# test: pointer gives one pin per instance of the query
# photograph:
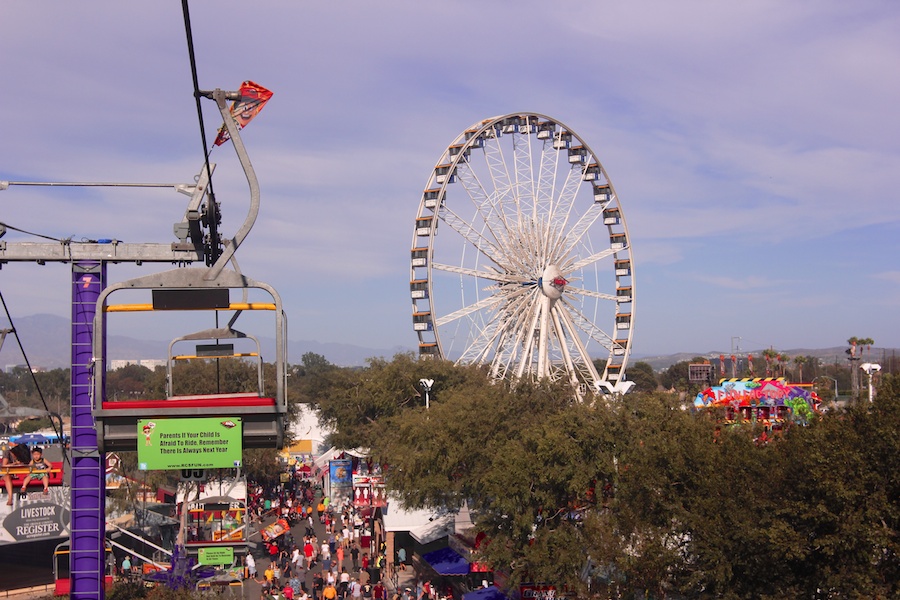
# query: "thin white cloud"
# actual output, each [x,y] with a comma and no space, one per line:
[749,130]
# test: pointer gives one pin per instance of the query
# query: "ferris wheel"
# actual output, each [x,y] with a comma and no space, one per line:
[521,259]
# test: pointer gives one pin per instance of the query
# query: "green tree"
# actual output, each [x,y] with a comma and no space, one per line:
[350,401]
[30,425]
[643,376]
[664,499]
[130,382]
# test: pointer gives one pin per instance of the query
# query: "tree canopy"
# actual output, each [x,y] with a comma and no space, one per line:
[654,496]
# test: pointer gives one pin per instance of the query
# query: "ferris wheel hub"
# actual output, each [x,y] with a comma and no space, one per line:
[553,284]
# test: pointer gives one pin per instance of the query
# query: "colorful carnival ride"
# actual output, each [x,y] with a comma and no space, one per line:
[769,401]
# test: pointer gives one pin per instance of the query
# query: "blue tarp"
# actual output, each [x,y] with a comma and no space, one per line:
[447,562]
[488,593]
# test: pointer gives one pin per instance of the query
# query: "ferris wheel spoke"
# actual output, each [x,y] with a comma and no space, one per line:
[562,209]
[526,359]
[490,275]
[500,178]
[590,293]
[524,185]
[468,310]
[483,201]
[544,195]
[487,198]
[584,262]
[511,325]
[585,325]
[467,232]
[564,342]
[584,224]
[479,349]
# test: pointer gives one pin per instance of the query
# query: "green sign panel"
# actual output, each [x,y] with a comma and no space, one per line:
[191,443]
[216,556]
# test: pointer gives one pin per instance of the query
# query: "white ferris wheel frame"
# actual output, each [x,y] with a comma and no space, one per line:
[527,235]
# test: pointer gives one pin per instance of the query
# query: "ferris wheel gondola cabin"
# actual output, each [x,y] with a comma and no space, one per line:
[261,409]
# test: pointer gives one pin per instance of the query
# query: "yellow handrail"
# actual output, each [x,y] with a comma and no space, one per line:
[149,307]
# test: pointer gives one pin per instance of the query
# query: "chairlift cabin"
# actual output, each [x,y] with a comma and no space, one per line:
[53,453]
[189,290]
[217,521]
[221,346]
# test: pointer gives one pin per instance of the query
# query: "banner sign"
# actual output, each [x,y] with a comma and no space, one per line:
[369,490]
[190,443]
[340,476]
[36,516]
[341,473]
[216,555]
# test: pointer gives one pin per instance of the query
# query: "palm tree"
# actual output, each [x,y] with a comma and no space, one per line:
[782,361]
[867,342]
[854,343]
[799,361]
[769,354]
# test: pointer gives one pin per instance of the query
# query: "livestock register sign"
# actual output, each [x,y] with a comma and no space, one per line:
[192,443]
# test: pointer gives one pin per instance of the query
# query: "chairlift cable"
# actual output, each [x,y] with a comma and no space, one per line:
[59,432]
[213,254]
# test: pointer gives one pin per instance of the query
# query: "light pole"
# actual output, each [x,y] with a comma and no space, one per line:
[733,366]
[835,384]
[870,369]
[426,387]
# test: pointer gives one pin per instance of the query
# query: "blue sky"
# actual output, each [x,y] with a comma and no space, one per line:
[754,147]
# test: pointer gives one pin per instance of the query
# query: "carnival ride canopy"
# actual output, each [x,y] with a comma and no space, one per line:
[800,401]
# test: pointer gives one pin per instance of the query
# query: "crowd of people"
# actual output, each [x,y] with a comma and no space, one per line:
[327,562]
[322,554]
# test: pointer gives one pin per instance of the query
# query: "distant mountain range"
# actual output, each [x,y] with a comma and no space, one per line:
[825,355]
[46,340]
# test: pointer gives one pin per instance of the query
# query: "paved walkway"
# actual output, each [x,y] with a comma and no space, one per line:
[252,589]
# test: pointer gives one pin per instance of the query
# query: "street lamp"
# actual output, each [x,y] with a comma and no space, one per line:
[426,387]
[835,384]
[870,369]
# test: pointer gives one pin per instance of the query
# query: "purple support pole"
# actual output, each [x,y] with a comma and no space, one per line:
[88,517]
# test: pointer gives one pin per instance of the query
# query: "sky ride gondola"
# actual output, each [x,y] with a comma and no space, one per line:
[210,288]
[263,416]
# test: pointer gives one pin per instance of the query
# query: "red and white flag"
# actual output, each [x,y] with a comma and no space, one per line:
[253,98]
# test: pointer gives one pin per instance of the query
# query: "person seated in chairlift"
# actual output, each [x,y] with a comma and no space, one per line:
[40,470]
[16,455]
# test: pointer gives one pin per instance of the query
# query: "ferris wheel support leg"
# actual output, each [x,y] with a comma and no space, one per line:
[567,356]
[529,345]
[543,358]
[582,350]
